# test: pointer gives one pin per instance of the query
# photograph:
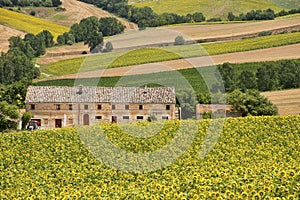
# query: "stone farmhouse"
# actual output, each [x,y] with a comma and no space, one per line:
[54,106]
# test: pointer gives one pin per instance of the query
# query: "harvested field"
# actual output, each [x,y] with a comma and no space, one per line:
[202,32]
[287,101]
[6,33]
[166,35]
[76,11]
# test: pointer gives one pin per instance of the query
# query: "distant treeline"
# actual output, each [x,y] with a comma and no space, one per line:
[35,3]
[268,76]
[144,17]
[268,14]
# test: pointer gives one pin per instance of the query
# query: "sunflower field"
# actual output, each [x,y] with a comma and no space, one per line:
[252,158]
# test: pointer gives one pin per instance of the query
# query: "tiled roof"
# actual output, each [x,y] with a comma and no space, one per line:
[64,94]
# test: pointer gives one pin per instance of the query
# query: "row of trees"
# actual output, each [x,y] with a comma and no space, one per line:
[269,76]
[36,3]
[91,31]
[144,17]
[16,65]
[268,14]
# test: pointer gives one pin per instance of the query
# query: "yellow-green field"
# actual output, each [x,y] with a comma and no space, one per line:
[210,8]
[119,59]
[29,24]
[253,158]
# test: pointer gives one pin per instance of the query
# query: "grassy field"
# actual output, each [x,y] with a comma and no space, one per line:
[118,59]
[211,8]
[170,78]
[287,101]
[253,158]
[29,24]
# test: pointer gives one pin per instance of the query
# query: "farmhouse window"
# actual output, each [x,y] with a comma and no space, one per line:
[165,117]
[98,117]
[86,107]
[139,117]
[32,107]
[126,107]
[113,107]
[167,107]
[140,107]
[58,107]
[70,107]
[126,117]
[99,107]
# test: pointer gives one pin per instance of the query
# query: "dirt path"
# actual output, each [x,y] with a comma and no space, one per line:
[77,10]
[271,54]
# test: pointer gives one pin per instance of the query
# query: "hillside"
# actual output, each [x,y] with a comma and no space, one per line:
[250,158]
[213,8]
[76,11]
[190,32]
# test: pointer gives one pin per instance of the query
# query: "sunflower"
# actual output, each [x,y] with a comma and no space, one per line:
[244,195]
[291,173]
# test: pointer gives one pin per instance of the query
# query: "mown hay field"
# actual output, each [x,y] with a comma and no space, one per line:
[287,101]
[29,24]
[253,158]
[150,55]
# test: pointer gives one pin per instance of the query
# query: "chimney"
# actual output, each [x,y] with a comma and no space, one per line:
[79,89]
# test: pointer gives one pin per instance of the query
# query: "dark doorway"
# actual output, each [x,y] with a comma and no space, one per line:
[58,123]
[114,119]
[86,120]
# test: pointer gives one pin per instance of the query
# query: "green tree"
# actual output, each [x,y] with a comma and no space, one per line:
[267,77]
[198,17]
[108,47]
[8,116]
[187,100]
[26,117]
[94,39]
[47,38]
[251,103]
[179,40]
[229,76]
[110,26]
[247,80]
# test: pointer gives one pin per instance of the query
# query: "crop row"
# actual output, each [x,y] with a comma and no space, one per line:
[253,157]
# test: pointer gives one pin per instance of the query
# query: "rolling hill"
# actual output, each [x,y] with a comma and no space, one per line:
[213,8]
[29,24]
